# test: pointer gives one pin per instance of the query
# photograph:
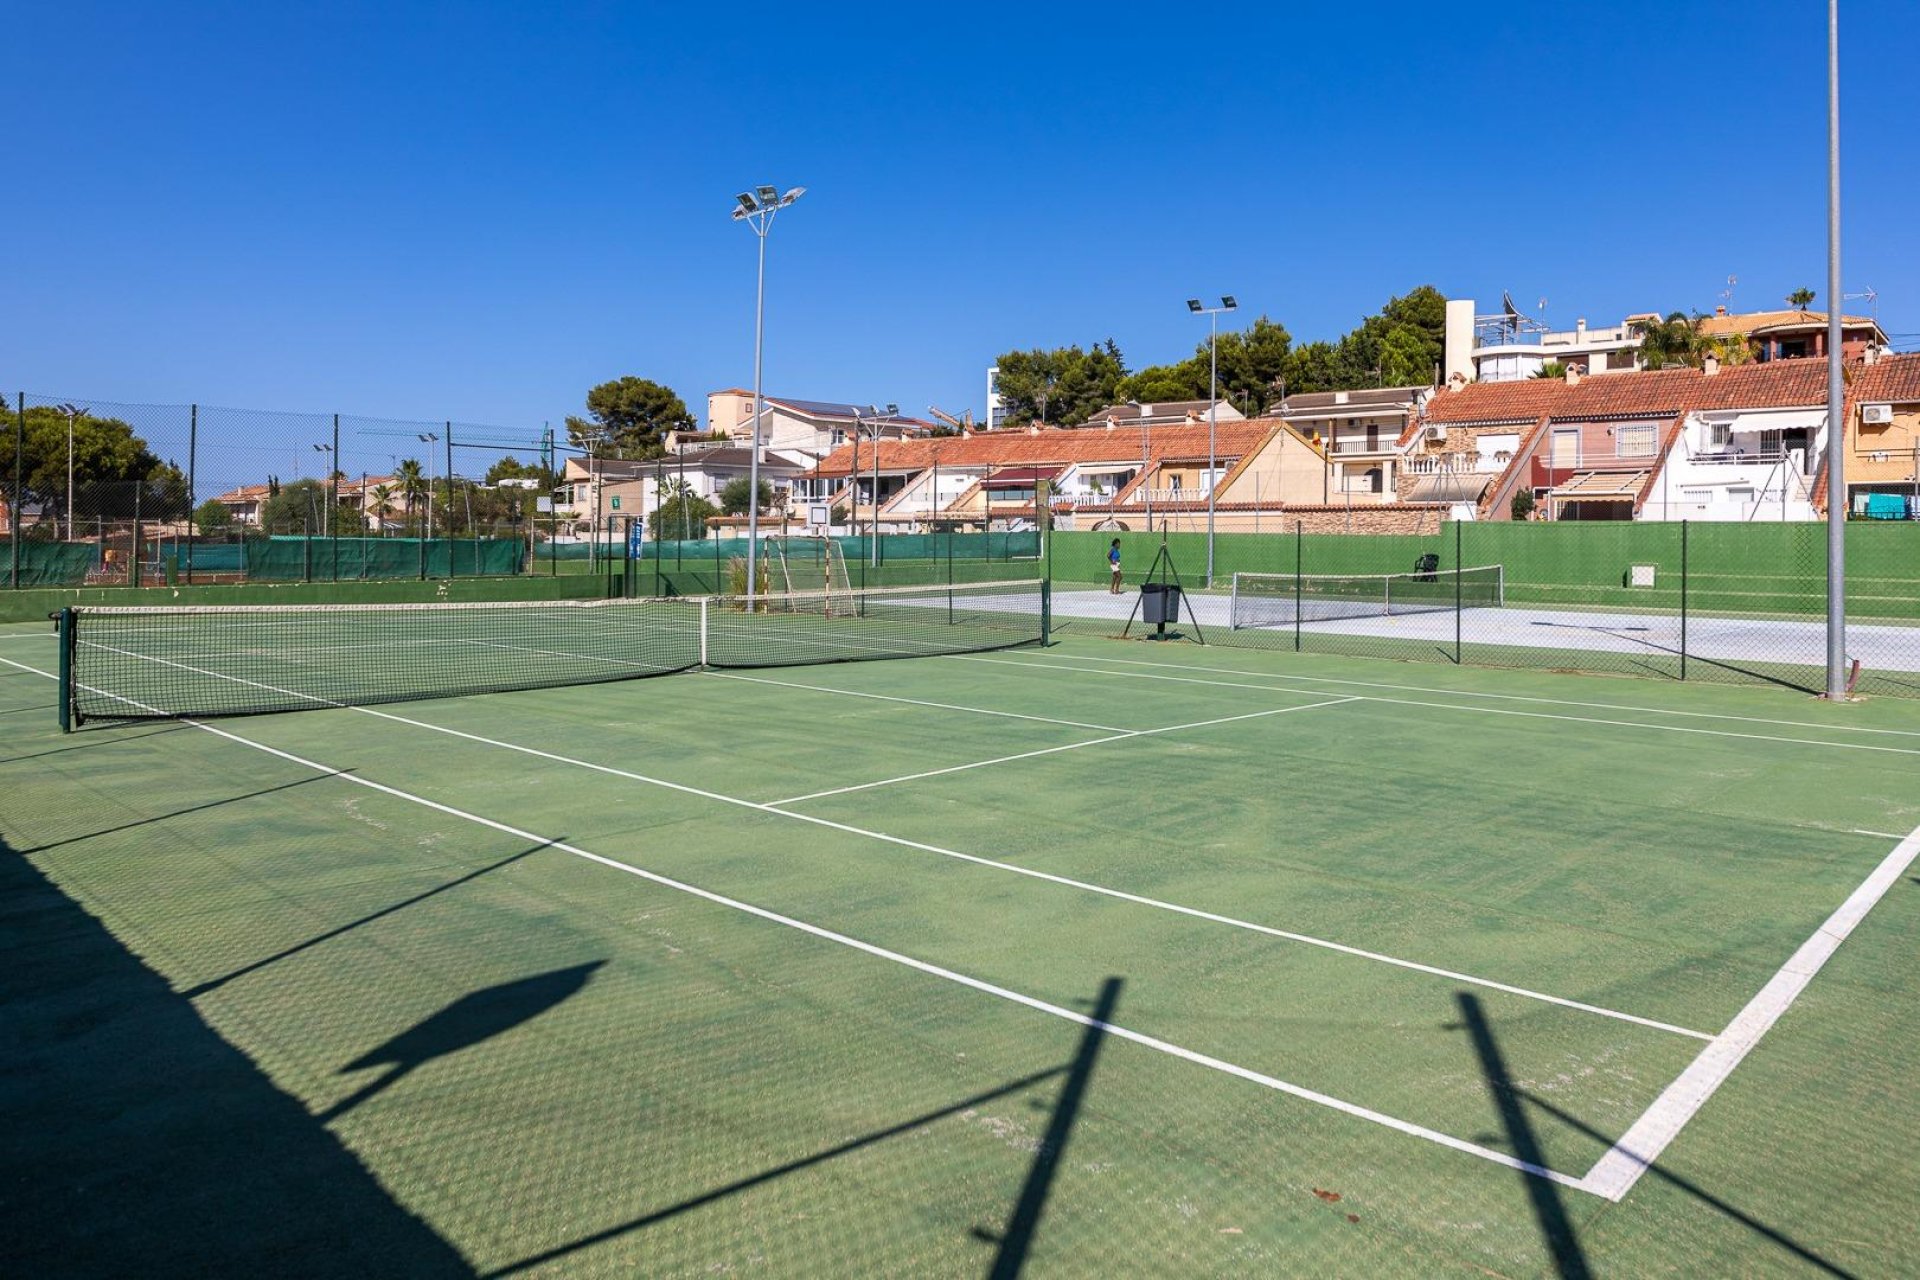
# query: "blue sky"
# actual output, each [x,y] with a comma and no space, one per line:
[477,211]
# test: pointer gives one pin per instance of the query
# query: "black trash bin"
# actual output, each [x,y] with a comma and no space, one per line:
[1159,603]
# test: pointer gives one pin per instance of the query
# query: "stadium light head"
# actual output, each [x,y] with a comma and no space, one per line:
[1193,305]
[893,411]
[792,194]
[1230,302]
[768,195]
[427,436]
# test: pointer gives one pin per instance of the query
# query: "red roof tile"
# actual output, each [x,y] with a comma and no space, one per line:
[1056,447]
[1653,393]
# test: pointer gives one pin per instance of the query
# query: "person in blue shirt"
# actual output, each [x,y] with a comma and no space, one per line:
[1113,562]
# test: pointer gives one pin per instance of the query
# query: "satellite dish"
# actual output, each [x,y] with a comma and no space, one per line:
[1513,312]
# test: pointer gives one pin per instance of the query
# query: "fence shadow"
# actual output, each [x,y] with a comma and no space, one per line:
[1556,1228]
[142,1143]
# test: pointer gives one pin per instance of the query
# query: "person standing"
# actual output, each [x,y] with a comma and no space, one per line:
[1113,563]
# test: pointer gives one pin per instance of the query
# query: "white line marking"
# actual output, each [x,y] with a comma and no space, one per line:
[1504,697]
[1055,664]
[1884,835]
[1048,751]
[1014,868]
[1053,1010]
[1614,1174]
[916,702]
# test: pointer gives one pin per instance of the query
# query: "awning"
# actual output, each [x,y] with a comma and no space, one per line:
[1449,487]
[1603,486]
[1019,477]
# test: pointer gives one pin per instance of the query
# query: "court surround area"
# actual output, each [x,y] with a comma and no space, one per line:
[1089,959]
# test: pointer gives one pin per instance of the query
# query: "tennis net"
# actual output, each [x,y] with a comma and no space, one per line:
[1285,599]
[155,663]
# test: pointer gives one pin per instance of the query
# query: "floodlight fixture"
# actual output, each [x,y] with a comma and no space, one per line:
[1229,302]
[1193,305]
[768,195]
[793,193]
[756,210]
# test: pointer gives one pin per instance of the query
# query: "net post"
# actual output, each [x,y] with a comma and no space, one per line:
[1683,598]
[1046,612]
[66,669]
[1459,567]
[447,471]
[705,601]
[1299,582]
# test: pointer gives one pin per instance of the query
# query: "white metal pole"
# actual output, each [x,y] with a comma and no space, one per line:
[1837,503]
[1213,394]
[759,413]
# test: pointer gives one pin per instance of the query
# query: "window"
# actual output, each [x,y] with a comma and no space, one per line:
[1622,359]
[1719,436]
[1566,447]
[1635,441]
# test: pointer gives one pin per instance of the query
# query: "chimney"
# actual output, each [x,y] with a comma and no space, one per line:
[1719,311]
[1573,375]
[1580,326]
[1339,397]
[1456,380]
[1872,356]
[1146,411]
[1711,365]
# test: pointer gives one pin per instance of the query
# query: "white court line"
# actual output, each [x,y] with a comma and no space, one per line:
[1057,664]
[1053,1010]
[1614,1174]
[1014,868]
[1504,697]
[1884,835]
[1048,751]
[915,702]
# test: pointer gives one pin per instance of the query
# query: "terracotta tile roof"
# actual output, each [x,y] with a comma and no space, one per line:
[1754,322]
[1652,393]
[1893,379]
[1056,447]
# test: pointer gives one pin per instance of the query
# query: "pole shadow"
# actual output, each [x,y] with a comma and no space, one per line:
[214,984]
[1699,1193]
[102,741]
[180,813]
[1016,1241]
[1556,1229]
[472,1019]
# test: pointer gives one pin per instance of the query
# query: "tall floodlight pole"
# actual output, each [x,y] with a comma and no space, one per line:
[429,437]
[1837,503]
[74,413]
[1212,314]
[756,210]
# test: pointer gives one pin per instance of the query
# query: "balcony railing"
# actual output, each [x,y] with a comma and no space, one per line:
[1458,464]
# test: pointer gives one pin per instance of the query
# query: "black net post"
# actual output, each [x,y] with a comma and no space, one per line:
[420,538]
[66,669]
[1683,599]
[133,551]
[193,496]
[306,549]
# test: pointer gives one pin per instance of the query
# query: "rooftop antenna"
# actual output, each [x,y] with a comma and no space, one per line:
[1726,294]
[1873,302]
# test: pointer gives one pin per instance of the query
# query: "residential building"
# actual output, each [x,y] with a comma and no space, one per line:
[1361,433]
[1138,416]
[1793,335]
[1882,465]
[810,429]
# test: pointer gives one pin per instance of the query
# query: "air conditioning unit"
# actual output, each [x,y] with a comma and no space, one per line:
[1876,413]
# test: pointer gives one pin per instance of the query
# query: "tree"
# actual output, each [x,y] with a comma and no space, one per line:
[628,418]
[1252,364]
[212,517]
[1672,343]
[412,483]
[1521,508]
[682,513]
[511,468]
[1801,298]
[109,464]
[1312,366]
[733,496]
[299,507]
[380,503]
[1060,387]
[1551,369]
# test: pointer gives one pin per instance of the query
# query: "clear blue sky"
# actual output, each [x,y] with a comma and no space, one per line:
[477,211]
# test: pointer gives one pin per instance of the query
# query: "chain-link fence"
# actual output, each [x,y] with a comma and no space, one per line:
[1682,601]
[106,493]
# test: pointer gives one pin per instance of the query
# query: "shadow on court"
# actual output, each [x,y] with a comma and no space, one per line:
[1017,1238]
[473,1018]
[180,813]
[1705,1197]
[104,740]
[1556,1229]
[214,984]
[136,1141]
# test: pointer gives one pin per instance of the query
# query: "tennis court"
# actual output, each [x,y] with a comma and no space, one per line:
[1088,959]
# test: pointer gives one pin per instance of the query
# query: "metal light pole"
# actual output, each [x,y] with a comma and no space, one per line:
[756,210]
[871,421]
[1837,503]
[73,412]
[429,437]
[1227,303]
[333,487]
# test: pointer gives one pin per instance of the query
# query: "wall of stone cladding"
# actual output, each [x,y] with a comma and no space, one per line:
[1395,517]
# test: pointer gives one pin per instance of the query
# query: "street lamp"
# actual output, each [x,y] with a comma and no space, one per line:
[756,210]
[872,419]
[1227,303]
[429,437]
[333,486]
[74,413]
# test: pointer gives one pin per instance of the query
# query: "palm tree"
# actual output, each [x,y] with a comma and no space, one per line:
[1671,343]
[413,484]
[1551,369]
[382,496]
[1801,298]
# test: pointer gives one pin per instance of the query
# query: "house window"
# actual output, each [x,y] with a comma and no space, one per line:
[1636,441]
[1719,436]
[1566,447]
[1622,359]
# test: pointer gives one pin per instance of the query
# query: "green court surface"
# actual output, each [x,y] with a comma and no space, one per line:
[1104,959]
